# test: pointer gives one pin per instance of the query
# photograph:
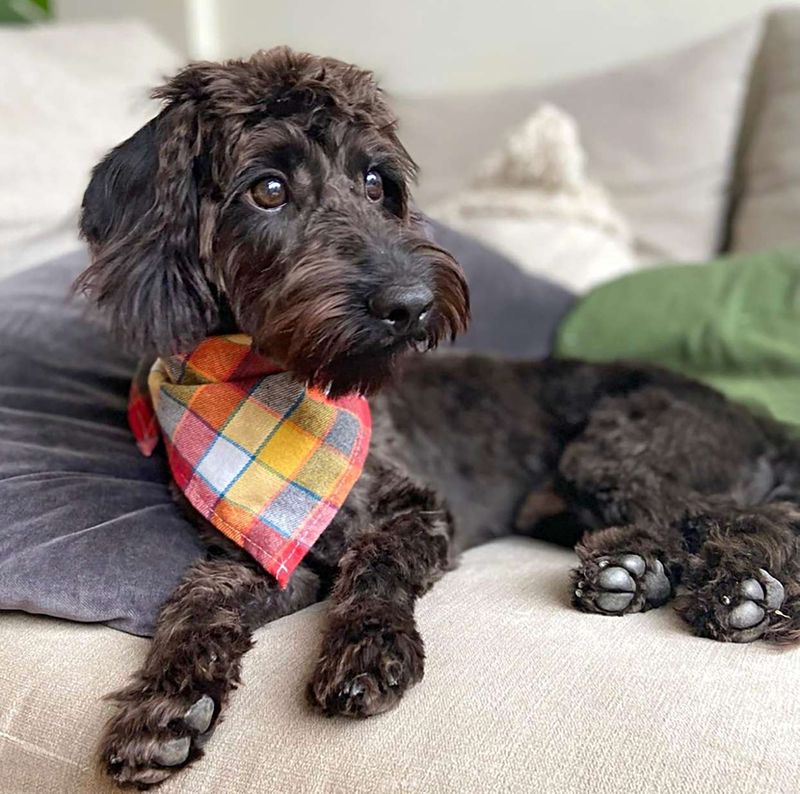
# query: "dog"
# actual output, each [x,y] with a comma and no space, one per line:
[271,197]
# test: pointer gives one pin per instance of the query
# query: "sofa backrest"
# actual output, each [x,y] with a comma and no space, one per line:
[660,134]
[765,206]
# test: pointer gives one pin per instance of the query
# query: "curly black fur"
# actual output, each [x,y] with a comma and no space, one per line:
[673,483]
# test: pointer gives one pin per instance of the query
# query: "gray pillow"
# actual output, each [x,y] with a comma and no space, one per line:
[88,530]
[513,313]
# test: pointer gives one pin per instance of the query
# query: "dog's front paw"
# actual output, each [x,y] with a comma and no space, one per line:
[153,735]
[736,610]
[366,666]
[621,584]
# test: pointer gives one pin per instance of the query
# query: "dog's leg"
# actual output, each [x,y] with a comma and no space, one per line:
[643,462]
[372,651]
[627,569]
[745,582]
[633,562]
[167,713]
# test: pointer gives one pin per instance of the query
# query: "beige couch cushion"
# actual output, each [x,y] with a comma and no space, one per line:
[521,694]
[659,134]
[768,210]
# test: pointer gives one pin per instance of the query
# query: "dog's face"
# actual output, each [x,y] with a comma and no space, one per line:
[271,196]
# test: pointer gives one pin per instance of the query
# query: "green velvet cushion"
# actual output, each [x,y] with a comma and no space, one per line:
[733,323]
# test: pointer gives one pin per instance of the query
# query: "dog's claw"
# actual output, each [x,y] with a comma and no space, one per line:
[775,592]
[199,716]
[656,584]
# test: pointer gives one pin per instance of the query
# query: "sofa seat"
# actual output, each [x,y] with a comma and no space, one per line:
[521,693]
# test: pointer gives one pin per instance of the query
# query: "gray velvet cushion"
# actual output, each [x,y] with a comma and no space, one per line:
[513,313]
[88,530]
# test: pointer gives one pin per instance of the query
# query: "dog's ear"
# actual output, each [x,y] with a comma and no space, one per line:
[140,218]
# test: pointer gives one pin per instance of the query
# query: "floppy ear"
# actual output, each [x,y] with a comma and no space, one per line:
[140,217]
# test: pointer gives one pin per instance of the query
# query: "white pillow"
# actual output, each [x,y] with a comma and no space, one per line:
[69,94]
[532,200]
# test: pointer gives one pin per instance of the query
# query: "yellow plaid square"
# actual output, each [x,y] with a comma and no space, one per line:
[322,471]
[251,425]
[255,487]
[288,449]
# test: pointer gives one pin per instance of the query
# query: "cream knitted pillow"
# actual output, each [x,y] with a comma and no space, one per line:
[533,201]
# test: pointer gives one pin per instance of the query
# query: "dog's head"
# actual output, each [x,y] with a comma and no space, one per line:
[271,196]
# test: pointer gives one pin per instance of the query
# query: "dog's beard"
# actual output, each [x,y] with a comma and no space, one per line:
[333,351]
[326,337]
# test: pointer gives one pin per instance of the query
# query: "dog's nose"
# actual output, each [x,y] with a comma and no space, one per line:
[402,308]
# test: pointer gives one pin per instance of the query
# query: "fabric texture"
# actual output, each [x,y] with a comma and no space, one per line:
[521,693]
[660,136]
[733,323]
[766,213]
[268,461]
[88,528]
[532,200]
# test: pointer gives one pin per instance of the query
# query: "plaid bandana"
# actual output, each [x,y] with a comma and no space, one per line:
[266,460]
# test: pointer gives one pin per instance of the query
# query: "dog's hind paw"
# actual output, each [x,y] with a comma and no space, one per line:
[151,738]
[619,584]
[736,610]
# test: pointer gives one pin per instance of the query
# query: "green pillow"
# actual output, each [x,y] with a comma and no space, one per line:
[733,323]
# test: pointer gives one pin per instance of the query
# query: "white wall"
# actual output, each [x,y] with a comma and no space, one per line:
[168,17]
[421,46]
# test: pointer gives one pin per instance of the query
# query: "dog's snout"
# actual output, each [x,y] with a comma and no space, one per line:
[403,309]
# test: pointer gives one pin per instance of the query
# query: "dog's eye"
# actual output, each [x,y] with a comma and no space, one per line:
[373,186]
[269,193]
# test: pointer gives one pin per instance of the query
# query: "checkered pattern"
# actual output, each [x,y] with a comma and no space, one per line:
[267,461]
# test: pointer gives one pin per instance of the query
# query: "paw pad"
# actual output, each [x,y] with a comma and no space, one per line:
[624,583]
[746,610]
[146,757]
[173,751]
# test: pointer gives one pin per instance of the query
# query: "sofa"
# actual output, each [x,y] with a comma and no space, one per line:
[701,151]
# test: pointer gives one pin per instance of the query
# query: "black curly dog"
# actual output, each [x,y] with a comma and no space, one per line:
[272,196]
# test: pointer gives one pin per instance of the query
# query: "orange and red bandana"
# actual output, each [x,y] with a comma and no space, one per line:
[266,460]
